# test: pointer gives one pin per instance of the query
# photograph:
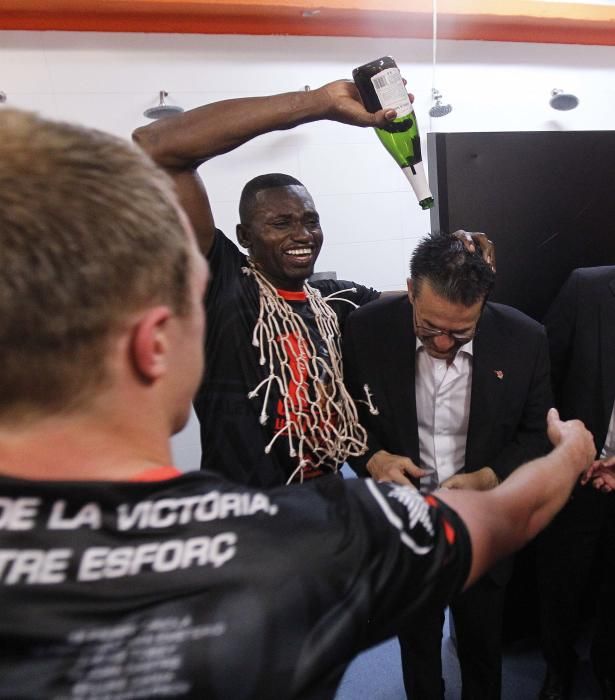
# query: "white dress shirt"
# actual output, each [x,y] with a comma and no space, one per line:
[609,444]
[442,393]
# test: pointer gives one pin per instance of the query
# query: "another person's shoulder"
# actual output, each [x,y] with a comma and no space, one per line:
[593,276]
[585,285]
[345,297]
[333,289]
[381,306]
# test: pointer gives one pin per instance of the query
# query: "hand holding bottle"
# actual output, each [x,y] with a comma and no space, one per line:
[342,103]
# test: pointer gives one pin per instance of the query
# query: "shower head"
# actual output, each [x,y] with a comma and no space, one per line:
[162,109]
[438,109]
[563,101]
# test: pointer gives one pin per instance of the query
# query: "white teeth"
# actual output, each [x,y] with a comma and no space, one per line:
[300,251]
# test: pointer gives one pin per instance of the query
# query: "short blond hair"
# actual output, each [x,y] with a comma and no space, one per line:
[89,232]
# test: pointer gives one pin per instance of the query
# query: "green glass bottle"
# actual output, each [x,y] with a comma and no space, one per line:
[381,87]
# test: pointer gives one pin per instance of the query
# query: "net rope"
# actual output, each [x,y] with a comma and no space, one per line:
[321,421]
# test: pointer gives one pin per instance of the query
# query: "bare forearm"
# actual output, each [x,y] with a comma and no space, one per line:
[185,141]
[181,143]
[535,492]
[504,519]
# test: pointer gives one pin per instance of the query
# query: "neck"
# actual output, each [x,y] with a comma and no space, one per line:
[80,448]
[288,285]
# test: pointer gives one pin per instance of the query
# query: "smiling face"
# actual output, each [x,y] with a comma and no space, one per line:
[283,235]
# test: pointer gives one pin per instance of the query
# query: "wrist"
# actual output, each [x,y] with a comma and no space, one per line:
[578,456]
[320,103]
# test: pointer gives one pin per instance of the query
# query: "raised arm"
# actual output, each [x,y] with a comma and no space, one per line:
[182,143]
[504,519]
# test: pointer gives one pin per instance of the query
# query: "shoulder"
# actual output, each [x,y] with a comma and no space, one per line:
[357,293]
[383,307]
[344,298]
[508,319]
[583,286]
[592,279]
[588,274]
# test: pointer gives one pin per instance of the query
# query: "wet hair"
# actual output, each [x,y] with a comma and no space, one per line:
[453,272]
[90,232]
[258,184]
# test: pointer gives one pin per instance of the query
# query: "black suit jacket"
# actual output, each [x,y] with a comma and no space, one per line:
[581,329]
[507,422]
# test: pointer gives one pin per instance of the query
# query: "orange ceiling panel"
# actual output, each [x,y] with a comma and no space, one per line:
[504,20]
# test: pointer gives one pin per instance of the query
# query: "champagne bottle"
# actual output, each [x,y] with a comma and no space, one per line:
[381,87]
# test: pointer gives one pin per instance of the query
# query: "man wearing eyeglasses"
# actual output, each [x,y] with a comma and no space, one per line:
[458,393]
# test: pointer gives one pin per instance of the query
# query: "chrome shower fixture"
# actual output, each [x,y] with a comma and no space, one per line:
[438,109]
[563,101]
[162,109]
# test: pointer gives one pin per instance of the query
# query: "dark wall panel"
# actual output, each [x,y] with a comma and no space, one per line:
[547,200]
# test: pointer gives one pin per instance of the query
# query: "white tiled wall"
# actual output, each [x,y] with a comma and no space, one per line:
[370,217]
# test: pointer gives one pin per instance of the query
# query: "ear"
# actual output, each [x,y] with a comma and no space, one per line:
[410,289]
[243,236]
[149,343]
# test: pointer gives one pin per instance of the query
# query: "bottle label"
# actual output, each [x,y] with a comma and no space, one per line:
[391,91]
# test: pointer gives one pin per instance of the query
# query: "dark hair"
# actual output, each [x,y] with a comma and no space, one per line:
[453,272]
[256,185]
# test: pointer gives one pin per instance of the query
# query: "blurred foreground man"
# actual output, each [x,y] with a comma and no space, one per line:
[121,578]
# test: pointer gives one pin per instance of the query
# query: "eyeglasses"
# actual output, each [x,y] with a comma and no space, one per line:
[425,333]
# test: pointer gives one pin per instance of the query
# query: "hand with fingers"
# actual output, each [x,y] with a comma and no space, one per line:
[480,480]
[601,474]
[384,466]
[344,105]
[472,239]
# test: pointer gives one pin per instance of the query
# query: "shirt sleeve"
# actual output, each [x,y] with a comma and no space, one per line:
[424,555]
[384,551]
[225,262]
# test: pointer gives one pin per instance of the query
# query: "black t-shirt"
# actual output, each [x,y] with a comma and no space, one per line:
[198,588]
[233,440]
